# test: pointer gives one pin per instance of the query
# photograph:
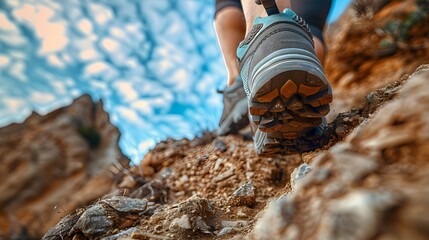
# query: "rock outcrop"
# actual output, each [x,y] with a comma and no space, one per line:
[374,185]
[53,164]
[371,45]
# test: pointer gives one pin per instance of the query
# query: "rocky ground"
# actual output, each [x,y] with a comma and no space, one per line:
[369,182]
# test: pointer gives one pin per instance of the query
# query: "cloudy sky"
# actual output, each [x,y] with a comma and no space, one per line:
[155,63]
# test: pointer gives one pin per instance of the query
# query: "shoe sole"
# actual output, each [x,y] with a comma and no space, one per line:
[272,144]
[289,99]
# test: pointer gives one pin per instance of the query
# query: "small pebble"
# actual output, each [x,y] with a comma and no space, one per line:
[220,145]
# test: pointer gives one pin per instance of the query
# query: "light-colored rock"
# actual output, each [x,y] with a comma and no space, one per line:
[95,221]
[120,235]
[126,204]
[352,165]
[277,216]
[357,215]
[225,231]
[224,175]
[236,224]
[298,174]
[201,224]
[182,222]
[243,196]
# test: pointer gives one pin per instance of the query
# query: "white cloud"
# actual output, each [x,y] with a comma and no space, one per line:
[163,102]
[96,67]
[146,145]
[85,42]
[174,125]
[100,85]
[128,114]
[85,26]
[88,55]
[101,13]
[133,64]
[207,84]
[13,39]
[143,107]
[126,90]
[42,98]
[117,32]
[133,27]
[181,79]
[165,65]
[55,61]
[60,87]
[14,104]
[13,3]
[67,58]
[188,98]
[4,61]
[110,45]
[75,93]
[214,100]
[52,35]
[17,71]
[6,24]
[18,54]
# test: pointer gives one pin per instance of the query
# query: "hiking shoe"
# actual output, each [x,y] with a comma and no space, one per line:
[288,93]
[235,115]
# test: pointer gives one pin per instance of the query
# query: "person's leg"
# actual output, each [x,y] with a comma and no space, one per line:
[230,28]
[305,9]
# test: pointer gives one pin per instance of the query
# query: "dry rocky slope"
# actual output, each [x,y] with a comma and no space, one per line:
[370,182]
[373,184]
[53,164]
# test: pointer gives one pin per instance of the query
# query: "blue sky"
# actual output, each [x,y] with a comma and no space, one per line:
[337,8]
[155,64]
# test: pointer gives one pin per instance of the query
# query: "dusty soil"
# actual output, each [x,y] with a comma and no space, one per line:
[216,187]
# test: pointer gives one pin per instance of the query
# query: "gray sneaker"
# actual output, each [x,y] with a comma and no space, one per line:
[235,110]
[288,93]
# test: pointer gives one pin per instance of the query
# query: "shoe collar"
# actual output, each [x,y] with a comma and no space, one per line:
[261,23]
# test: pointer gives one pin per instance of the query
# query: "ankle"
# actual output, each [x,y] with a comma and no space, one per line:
[253,11]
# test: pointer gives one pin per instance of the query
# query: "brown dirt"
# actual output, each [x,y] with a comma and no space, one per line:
[201,168]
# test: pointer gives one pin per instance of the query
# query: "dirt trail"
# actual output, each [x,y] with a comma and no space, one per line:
[217,188]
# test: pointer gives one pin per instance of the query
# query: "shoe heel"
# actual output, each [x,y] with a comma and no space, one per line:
[290,93]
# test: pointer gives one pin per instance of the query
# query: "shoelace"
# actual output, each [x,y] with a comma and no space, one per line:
[269,5]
